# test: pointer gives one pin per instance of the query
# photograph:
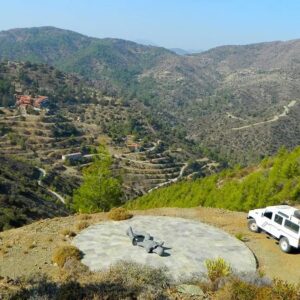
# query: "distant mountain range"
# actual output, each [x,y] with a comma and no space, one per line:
[180,51]
[238,102]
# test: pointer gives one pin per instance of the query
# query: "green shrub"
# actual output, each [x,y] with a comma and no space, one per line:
[217,269]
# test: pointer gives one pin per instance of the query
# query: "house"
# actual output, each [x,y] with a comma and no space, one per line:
[27,100]
[72,157]
[23,100]
[40,102]
[134,147]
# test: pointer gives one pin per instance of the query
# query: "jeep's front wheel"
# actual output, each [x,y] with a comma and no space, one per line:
[285,245]
[253,226]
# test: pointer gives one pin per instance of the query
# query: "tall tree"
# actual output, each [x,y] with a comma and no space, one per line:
[100,190]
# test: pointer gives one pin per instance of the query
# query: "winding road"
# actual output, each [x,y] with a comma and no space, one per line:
[171,180]
[43,174]
[274,119]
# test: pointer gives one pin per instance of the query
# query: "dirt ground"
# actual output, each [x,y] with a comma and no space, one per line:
[28,250]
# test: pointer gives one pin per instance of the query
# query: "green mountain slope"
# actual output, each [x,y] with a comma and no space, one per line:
[239,102]
[112,59]
[41,44]
[275,180]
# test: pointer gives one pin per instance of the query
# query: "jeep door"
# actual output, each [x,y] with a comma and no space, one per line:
[266,222]
[277,226]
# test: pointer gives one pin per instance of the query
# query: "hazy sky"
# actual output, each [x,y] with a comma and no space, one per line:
[189,24]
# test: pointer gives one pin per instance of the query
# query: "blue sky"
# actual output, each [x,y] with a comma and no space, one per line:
[188,24]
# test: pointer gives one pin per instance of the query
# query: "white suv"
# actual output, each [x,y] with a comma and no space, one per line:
[281,222]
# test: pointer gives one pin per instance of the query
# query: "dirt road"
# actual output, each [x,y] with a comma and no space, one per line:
[286,110]
[59,197]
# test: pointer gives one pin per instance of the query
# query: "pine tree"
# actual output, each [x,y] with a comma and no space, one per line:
[100,190]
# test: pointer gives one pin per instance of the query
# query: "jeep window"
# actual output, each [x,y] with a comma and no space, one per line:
[278,219]
[292,226]
[268,215]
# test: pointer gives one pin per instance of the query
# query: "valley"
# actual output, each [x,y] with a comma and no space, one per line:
[88,124]
[163,117]
[193,94]
[134,166]
[34,139]
[76,121]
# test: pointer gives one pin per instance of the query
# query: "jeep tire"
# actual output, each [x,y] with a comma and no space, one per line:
[285,245]
[253,226]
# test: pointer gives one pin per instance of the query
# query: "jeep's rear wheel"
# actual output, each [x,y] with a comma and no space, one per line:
[253,226]
[285,245]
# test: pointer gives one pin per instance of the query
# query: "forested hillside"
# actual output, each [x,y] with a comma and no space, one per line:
[275,180]
[22,200]
[80,114]
[239,103]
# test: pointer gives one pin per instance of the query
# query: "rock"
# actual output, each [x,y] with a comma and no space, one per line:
[190,289]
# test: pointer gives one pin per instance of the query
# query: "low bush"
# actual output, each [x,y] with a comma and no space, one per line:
[63,253]
[150,281]
[285,290]
[237,288]
[217,269]
[118,214]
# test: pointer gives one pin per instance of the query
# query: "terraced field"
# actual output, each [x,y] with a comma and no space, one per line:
[42,139]
[34,138]
[146,170]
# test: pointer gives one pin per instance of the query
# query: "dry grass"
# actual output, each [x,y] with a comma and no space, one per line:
[82,225]
[123,281]
[118,214]
[31,246]
[84,217]
[235,288]
[63,253]
[67,232]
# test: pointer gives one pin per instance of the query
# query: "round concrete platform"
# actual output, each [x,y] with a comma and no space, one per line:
[190,243]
